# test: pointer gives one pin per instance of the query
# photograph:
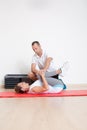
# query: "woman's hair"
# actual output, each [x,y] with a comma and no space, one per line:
[18,89]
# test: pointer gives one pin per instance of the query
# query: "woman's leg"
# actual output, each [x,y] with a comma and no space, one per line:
[53,81]
[53,73]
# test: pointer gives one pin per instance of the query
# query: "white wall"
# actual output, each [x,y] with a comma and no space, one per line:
[60,25]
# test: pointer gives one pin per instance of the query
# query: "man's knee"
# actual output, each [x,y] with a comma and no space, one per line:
[32,76]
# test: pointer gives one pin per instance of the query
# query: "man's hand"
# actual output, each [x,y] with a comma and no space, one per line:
[41,71]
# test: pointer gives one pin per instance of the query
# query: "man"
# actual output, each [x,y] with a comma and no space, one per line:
[43,61]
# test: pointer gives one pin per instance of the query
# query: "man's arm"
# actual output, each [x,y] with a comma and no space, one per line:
[33,68]
[46,66]
[47,63]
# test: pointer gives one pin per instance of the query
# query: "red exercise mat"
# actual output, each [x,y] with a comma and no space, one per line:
[64,93]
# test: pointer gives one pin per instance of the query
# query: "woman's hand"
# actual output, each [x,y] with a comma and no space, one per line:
[41,73]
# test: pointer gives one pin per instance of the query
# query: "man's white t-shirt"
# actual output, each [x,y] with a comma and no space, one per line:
[40,61]
[50,90]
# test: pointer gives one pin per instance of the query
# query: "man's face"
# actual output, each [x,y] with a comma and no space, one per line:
[36,48]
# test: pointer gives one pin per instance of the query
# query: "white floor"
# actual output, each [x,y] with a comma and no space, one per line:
[44,113]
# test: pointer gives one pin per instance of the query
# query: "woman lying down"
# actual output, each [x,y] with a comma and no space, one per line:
[45,84]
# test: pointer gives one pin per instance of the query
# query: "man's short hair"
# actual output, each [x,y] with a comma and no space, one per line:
[35,42]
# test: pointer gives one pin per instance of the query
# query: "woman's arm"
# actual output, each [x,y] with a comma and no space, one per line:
[44,87]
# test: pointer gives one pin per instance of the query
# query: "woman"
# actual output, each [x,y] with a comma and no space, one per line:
[41,85]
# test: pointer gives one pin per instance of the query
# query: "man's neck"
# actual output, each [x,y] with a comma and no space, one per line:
[40,53]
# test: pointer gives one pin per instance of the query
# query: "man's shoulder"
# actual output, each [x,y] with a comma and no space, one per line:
[45,52]
[34,55]
[48,53]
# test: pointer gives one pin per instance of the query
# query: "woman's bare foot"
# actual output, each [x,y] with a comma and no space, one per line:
[59,71]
